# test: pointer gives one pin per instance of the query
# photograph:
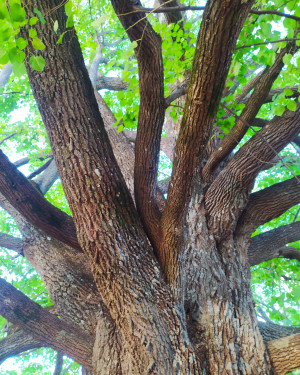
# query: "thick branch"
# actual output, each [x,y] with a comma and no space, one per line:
[17,342]
[270,244]
[33,206]
[205,90]
[110,83]
[47,178]
[44,326]
[249,113]
[284,354]
[151,114]
[228,194]
[269,203]
[10,242]
[271,331]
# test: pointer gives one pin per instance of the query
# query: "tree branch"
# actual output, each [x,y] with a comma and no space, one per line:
[268,204]
[205,90]
[271,331]
[110,83]
[18,341]
[33,206]
[44,326]
[284,353]
[229,192]
[12,243]
[151,114]
[270,244]
[268,42]
[58,363]
[47,178]
[256,100]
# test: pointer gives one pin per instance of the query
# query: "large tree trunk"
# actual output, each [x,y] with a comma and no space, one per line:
[174,289]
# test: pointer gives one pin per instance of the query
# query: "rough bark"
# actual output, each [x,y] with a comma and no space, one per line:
[270,244]
[205,89]
[268,204]
[47,328]
[17,342]
[20,193]
[285,354]
[102,207]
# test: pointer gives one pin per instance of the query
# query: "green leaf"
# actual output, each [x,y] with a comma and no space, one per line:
[291,105]
[55,26]
[42,19]
[288,92]
[279,110]
[5,32]
[37,43]
[68,8]
[21,43]
[33,21]
[287,58]
[70,22]
[3,12]
[99,21]
[32,33]
[61,38]
[17,13]
[120,128]
[37,63]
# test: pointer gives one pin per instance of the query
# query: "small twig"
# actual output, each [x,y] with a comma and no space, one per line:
[40,169]
[275,12]
[7,137]
[270,41]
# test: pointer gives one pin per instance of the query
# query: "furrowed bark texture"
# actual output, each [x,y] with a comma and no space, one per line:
[19,192]
[285,354]
[16,343]
[19,309]
[108,229]
[218,33]
[151,114]
[228,194]
[209,326]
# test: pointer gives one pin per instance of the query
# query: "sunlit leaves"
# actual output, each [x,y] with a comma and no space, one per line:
[37,63]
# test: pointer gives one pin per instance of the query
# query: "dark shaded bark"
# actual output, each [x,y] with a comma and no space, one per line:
[268,204]
[17,342]
[10,242]
[270,244]
[151,115]
[37,210]
[44,326]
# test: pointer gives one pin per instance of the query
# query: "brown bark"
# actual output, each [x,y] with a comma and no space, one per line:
[268,204]
[229,192]
[205,89]
[151,115]
[44,326]
[20,193]
[285,354]
[257,98]
[17,342]
[270,244]
[108,228]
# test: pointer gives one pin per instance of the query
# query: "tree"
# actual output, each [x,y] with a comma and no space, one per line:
[152,277]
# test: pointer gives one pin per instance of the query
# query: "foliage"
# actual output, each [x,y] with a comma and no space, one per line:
[275,283]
